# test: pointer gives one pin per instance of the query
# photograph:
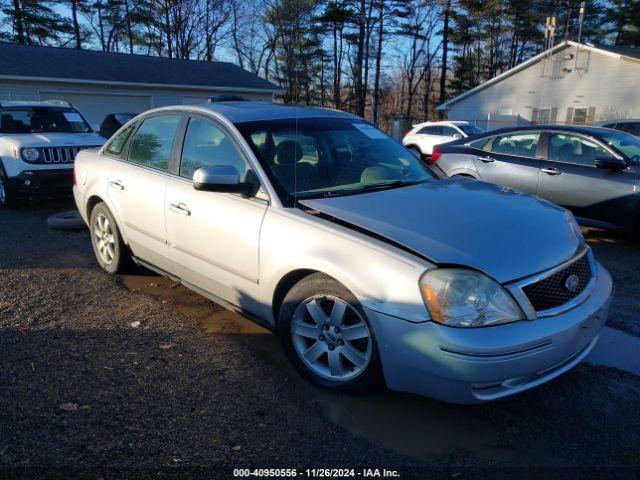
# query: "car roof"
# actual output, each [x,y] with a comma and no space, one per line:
[583,129]
[622,120]
[248,111]
[441,122]
[34,103]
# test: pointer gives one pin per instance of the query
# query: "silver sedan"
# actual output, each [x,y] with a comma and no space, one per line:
[318,225]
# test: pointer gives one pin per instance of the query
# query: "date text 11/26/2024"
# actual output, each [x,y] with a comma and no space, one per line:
[316,473]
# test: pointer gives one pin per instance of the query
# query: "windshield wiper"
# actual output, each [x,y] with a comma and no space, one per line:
[371,187]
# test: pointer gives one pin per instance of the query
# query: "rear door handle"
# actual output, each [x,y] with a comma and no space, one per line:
[551,171]
[180,209]
[486,159]
[116,184]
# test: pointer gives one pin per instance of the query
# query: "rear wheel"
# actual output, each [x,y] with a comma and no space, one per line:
[7,198]
[327,336]
[110,250]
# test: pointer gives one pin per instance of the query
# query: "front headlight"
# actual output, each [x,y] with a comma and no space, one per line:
[465,298]
[31,154]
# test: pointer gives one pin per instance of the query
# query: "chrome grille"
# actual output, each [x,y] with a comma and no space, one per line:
[552,292]
[62,154]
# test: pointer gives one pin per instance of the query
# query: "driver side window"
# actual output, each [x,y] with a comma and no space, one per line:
[569,148]
[207,145]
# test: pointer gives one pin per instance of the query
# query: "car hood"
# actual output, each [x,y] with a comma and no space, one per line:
[464,222]
[53,139]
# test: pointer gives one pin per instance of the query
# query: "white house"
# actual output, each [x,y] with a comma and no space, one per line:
[98,83]
[570,84]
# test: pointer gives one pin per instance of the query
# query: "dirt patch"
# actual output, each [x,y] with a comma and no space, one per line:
[621,257]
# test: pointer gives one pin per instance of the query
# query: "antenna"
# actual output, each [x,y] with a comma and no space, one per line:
[581,22]
[549,41]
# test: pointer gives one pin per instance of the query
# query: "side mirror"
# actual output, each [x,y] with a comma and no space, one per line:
[220,178]
[610,163]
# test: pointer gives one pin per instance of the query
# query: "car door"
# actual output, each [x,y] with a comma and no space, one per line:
[137,187]
[570,178]
[449,134]
[213,237]
[512,160]
[427,137]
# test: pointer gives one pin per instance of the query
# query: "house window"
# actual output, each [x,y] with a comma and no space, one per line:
[540,116]
[581,116]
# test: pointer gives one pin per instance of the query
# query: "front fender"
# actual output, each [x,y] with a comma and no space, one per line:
[382,277]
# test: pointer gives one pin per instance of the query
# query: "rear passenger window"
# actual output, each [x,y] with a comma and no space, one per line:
[481,144]
[207,145]
[151,144]
[517,144]
[117,144]
[431,130]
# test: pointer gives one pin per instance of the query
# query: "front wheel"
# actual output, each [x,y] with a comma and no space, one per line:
[110,250]
[7,198]
[327,336]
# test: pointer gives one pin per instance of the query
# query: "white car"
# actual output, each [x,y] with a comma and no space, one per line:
[39,141]
[424,136]
[323,228]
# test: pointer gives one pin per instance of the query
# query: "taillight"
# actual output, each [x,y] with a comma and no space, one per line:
[405,133]
[436,153]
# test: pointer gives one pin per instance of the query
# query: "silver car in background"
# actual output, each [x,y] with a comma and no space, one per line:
[318,225]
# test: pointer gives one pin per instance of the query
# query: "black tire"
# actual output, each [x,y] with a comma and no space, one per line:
[121,260]
[70,220]
[319,284]
[7,196]
[464,175]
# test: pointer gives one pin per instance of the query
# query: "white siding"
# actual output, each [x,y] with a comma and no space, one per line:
[96,101]
[595,80]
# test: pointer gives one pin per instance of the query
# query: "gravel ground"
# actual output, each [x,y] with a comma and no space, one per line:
[621,257]
[194,391]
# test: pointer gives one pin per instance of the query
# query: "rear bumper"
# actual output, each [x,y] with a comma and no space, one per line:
[472,365]
[42,182]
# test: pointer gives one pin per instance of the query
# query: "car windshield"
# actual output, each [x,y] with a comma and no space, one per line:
[469,129]
[41,120]
[316,157]
[624,143]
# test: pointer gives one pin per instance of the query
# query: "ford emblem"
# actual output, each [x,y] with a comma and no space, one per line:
[572,283]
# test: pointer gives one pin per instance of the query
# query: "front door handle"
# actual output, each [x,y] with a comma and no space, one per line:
[486,159]
[551,171]
[116,184]
[180,209]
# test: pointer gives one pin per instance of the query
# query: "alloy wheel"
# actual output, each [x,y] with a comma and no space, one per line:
[104,238]
[331,338]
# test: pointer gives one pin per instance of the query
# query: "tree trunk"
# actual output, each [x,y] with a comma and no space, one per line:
[360,59]
[376,87]
[76,26]
[337,73]
[129,28]
[17,15]
[167,28]
[445,52]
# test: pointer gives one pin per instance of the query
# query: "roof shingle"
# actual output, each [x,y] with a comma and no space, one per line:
[92,65]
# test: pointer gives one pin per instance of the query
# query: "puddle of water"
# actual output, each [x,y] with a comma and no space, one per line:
[618,349]
[410,425]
